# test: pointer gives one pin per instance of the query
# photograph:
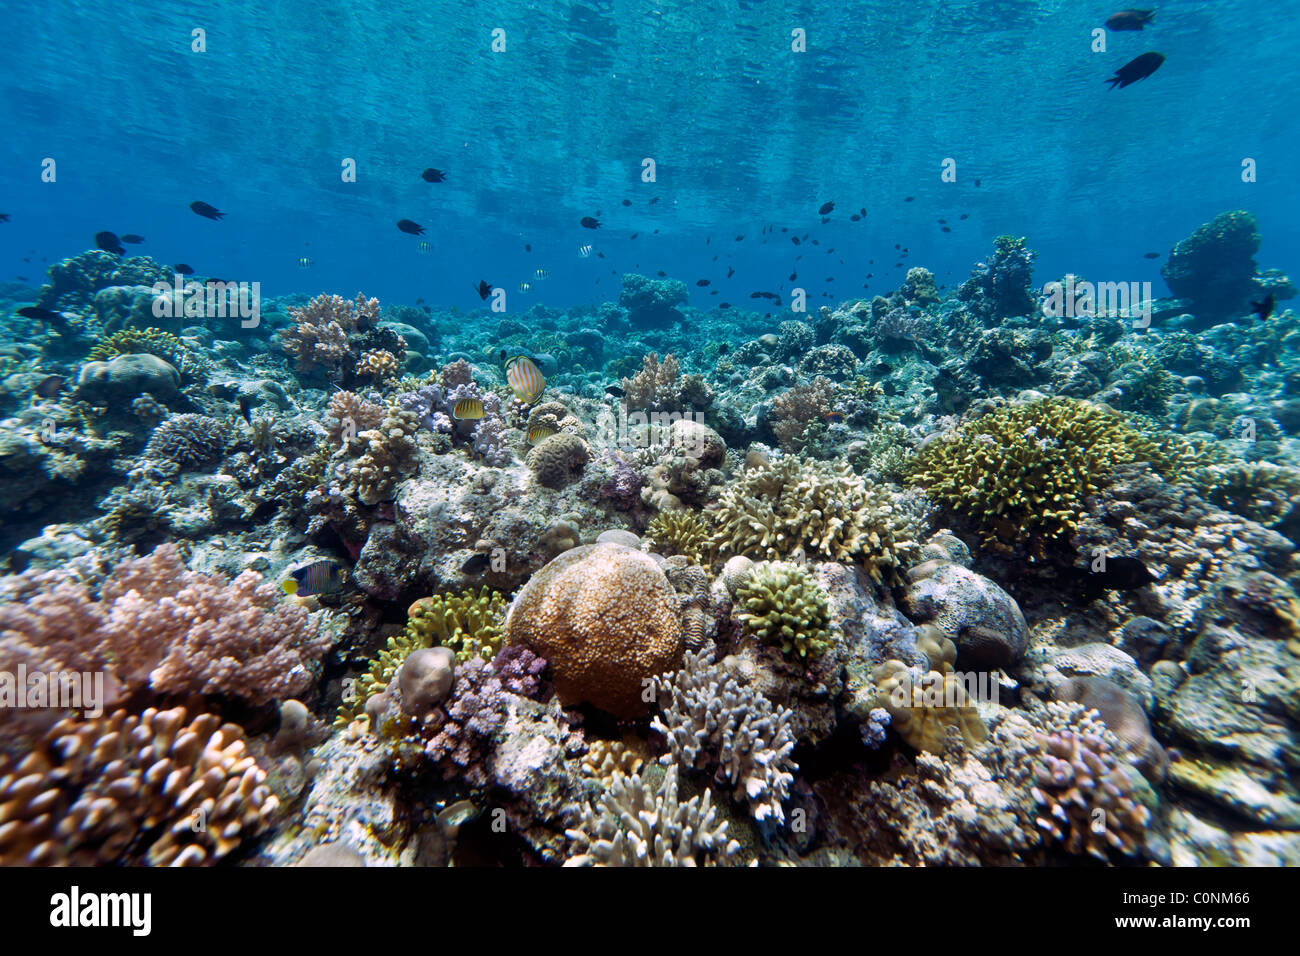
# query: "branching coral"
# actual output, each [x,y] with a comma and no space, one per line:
[1086,792]
[188,441]
[793,411]
[375,461]
[378,365]
[777,510]
[159,626]
[712,721]
[678,532]
[133,341]
[155,788]
[656,386]
[469,624]
[780,604]
[319,337]
[1022,472]
[635,825]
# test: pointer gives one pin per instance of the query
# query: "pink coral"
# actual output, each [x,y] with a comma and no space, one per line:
[160,626]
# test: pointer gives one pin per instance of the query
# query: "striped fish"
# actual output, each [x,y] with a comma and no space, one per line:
[525,378]
[538,432]
[319,577]
[468,409]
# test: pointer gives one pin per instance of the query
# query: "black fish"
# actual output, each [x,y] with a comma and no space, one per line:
[965,216]
[206,211]
[910,199]
[1118,574]
[132,238]
[1151,255]
[653,201]
[730,272]
[724,305]
[943,222]
[109,243]
[854,218]
[48,316]
[825,220]
[4,217]
[863,212]
[484,290]
[1264,309]
[661,273]
[794,276]
[615,390]
[1130,20]
[795,240]
[590,222]
[50,386]
[246,408]
[701,282]
[826,209]
[432,175]
[411,228]
[977,184]
[627,202]
[1138,69]
[947,229]
[725,347]
[184,269]
[739,238]
[634,235]
[475,563]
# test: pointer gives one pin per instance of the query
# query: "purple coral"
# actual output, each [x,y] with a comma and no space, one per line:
[623,487]
[520,670]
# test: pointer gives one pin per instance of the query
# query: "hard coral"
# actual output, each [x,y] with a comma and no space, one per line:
[124,789]
[678,532]
[556,460]
[635,825]
[1022,472]
[605,617]
[777,510]
[781,604]
[188,441]
[922,706]
[711,721]
[794,410]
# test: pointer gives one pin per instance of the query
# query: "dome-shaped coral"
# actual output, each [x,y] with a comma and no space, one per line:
[606,618]
[557,459]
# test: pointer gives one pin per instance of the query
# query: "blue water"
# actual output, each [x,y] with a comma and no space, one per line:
[745,134]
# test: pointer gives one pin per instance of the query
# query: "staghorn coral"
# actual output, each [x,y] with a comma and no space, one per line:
[1022,472]
[712,721]
[606,619]
[794,410]
[678,532]
[556,460]
[777,510]
[605,758]
[780,604]
[156,788]
[351,414]
[633,824]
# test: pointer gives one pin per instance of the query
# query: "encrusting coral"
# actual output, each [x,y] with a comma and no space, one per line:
[157,788]
[635,824]
[780,604]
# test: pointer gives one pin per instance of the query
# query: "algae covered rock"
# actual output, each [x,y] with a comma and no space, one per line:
[982,619]
[606,619]
[126,377]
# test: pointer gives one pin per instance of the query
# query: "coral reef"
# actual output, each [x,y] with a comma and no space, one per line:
[780,604]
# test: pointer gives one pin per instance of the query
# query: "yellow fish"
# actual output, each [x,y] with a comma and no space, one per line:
[538,432]
[525,378]
[468,409]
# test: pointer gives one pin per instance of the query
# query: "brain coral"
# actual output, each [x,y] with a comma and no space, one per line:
[606,618]
[557,459]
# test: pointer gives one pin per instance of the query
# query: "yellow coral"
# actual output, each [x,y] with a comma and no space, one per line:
[921,711]
[678,532]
